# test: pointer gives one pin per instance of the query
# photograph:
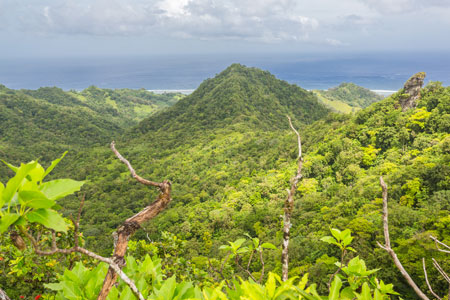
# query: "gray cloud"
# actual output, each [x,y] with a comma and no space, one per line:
[404,6]
[266,20]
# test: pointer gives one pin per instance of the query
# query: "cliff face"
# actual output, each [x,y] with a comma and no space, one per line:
[411,92]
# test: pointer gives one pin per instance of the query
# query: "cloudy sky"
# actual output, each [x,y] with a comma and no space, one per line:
[124,27]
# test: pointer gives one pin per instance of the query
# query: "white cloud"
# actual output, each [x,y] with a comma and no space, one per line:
[335,42]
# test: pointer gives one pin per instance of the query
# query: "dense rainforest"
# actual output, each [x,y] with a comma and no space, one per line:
[229,153]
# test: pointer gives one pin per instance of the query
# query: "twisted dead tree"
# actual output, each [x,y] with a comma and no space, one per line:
[398,264]
[121,236]
[35,242]
[289,207]
[129,227]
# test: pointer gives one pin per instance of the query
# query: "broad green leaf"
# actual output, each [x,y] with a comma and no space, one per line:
[53,165]
[57,189]
[7,220]
[36,174]
[303,281]
[21,221]
[271,285]
[336,233]
[347,294]
[2,187]
[14,168]
[242,250]
[35,199]
[366,292]
[238,243]
[308,296]
[377,295]
[225,247]
[71,290]
[54,286]
[335,288]
[113,294]
[268,246]
[15,182]
[329,240]
[49,218]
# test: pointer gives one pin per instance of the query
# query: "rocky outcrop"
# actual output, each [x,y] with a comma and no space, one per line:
[411,91]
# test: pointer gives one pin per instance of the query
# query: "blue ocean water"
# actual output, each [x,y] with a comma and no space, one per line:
[381,71]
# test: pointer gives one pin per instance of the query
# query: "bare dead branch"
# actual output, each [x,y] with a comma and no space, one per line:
[299,140]
[387,245]
[262,266]
[338,270]
[250,259]
[54,249]
[437,242]
[220,272]
[132,171]
[440,270]
[243,269]
[426,279]
[289,207]
[133,223]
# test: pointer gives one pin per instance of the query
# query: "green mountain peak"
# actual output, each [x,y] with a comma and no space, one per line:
[238,94]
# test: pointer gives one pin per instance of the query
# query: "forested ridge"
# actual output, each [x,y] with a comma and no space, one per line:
[348,97]
[229,152]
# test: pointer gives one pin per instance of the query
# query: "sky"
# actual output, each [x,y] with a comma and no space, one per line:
[34,28]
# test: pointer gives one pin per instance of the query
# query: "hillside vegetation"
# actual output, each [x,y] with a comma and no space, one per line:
[229,153]
[40,123]
[348,97]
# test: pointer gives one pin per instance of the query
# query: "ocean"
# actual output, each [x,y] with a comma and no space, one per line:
[376,71]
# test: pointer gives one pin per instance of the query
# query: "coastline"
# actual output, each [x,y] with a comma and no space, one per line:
[384,93]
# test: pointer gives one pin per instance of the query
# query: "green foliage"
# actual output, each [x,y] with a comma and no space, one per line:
[26,199]
[348,97]
[355,282]
[229,153]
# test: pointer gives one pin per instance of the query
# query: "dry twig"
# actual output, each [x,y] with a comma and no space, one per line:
[387,245]
[289,207]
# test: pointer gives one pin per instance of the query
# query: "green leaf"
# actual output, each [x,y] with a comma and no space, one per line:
[57,189]
[329,239]
[49,218]
[7,220]
[366,292]
[271,285]
[307,296]
[53,165]
[335,288]
[336,233]
[35,199]
[36,174]
[15,182]
[14,168]
[377,295]
[347,294]
[127,294]
[54,286]
[238,243]
[21,221]
[2,187]
[71,290]
[268,246]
